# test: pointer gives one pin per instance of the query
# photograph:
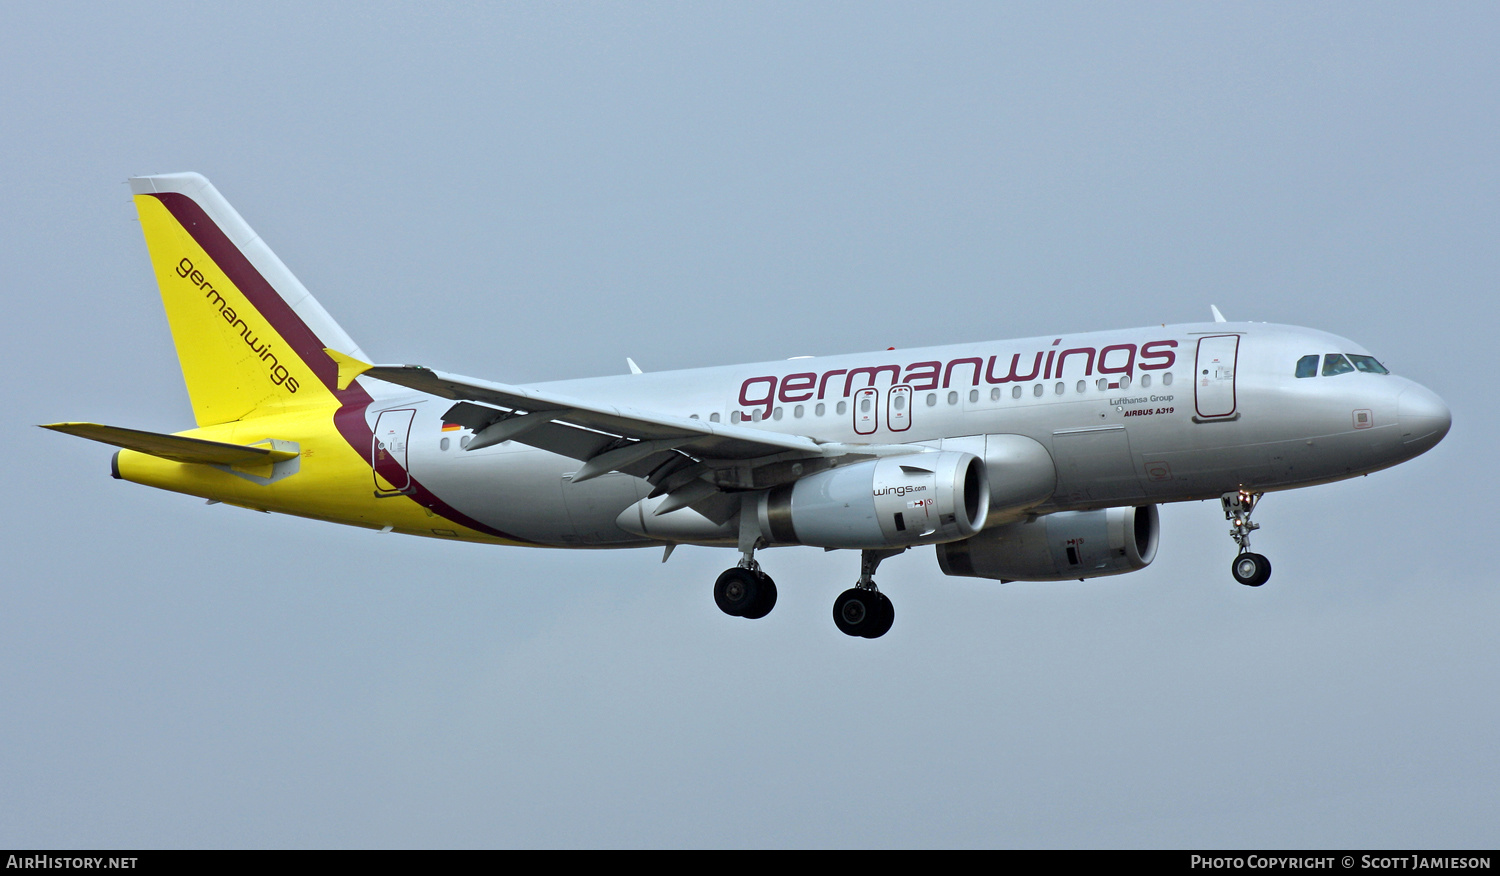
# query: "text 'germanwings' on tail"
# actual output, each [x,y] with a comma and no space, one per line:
[249,335]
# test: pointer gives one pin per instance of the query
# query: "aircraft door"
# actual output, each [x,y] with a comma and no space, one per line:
[898,409]
[866,413]
[1213,380]
[388,452]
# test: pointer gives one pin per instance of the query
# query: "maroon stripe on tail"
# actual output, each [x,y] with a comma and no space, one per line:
[349,419]
[303,341]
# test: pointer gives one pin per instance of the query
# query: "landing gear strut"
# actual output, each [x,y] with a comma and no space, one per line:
[1248,568]
[745,591]
[862,610]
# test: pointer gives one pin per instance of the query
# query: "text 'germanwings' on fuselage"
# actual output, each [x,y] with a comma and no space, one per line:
[1033,459]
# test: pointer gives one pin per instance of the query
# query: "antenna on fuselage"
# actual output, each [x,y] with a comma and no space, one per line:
[1218,317]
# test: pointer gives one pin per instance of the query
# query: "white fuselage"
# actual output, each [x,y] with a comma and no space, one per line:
[1161,414]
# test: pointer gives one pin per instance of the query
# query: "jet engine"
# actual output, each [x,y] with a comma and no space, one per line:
[919,498]
[1056,547]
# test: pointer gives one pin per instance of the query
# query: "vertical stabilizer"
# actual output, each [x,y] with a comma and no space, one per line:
[249,335]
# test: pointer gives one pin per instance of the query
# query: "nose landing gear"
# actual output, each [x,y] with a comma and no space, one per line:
[1250,569]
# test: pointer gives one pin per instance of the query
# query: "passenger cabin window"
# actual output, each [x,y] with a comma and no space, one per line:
[1307,366]
[1335,363]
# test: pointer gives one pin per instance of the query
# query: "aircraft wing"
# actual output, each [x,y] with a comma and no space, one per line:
[520,404]
[691,461]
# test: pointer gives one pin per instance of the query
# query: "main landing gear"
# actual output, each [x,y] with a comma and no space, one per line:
[862,610]
[745,591]
[1248,568]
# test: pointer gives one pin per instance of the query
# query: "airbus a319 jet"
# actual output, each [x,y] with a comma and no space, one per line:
[1039,459]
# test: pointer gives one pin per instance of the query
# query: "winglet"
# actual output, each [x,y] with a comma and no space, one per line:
[349,367]
[1218,317]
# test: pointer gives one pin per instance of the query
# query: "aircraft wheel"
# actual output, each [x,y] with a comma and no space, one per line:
[885,616]
[765,600]
[1252,570]
[863,612]
[737,592]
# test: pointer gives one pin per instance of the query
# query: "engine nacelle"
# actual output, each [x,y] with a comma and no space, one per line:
[1056,547]
[918,498]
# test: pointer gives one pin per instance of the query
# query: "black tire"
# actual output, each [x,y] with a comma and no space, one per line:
[736,591]
[885,615]
[857,611]
[765,601]
[1251,570]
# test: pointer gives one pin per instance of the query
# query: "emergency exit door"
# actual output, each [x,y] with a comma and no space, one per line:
[388,452]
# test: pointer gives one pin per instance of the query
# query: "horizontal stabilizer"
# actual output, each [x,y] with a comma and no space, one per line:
[173,447]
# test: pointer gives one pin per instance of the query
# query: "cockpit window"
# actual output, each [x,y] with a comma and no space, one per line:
[1368,364]
[1335,363]
[1307,366]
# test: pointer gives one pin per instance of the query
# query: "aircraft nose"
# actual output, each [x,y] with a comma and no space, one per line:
[1424,418]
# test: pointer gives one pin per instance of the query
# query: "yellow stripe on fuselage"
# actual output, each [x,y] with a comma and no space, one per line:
[331,482]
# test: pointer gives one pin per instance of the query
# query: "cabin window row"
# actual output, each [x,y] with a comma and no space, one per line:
[931,399]
[1038,390]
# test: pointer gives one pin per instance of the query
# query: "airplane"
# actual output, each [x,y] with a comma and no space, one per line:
[1039,459]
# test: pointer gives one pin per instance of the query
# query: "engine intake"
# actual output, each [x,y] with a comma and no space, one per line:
[1056,547]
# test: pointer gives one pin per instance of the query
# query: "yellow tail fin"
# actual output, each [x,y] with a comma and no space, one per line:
[249,336]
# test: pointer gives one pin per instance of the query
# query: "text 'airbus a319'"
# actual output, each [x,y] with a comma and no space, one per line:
[1037,459]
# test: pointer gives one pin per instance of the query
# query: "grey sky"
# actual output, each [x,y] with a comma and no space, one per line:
[526,192]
